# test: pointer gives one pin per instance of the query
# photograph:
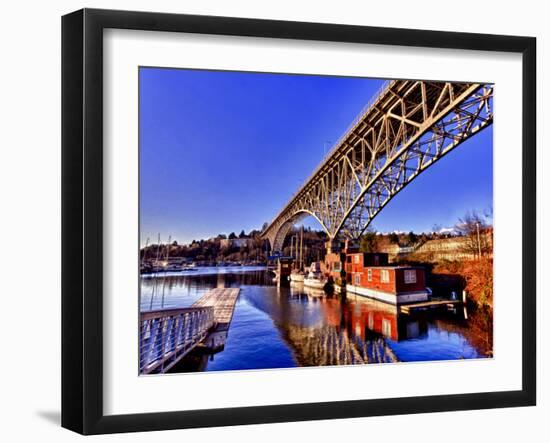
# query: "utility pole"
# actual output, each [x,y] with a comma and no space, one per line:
[478,241]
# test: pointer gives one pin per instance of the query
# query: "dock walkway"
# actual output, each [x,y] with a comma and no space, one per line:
[167,335]
[223,301]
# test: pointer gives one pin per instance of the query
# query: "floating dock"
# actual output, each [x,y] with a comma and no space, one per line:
[410,307]
[167,335]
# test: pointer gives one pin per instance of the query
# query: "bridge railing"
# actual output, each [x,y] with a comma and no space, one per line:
[165,336]
[374,98]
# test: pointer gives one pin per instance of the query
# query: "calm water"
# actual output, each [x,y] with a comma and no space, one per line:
[287,327]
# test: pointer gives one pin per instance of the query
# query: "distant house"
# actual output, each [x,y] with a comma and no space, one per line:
[235,242]
[335,259]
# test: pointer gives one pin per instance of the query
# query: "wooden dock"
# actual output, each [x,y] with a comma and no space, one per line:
[167,335]
[223,301]
[408,308]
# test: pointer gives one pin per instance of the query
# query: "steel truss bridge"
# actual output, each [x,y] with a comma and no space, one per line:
[407,128]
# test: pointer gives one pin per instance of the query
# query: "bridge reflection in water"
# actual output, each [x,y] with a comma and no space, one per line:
[287,327]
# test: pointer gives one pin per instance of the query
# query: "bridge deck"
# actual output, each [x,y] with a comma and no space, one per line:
[167,335]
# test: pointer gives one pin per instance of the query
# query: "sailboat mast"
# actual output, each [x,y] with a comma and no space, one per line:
[145,251]
[155,271]
[295,262]
[158,250]
[301,247]
[164,279]
[168,248]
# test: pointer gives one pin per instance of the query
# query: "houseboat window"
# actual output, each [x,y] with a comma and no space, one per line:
[384,276]
[357,279]
[356,258]
[369,274]
[410,276]
[336,266]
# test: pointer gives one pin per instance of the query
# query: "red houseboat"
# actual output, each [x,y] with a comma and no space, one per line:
[370,275]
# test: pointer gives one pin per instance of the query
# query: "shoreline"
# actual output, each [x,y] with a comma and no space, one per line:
[206,270]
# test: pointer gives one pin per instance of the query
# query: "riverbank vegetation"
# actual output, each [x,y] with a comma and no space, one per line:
[477,278]
[463,262]
[230,248]
[456,260]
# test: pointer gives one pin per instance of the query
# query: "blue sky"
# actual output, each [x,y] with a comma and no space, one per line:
[224,151]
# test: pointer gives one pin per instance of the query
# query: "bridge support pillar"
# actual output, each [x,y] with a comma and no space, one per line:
[284,268]
[333,246]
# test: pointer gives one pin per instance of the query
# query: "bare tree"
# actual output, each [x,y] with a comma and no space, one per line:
[475,229]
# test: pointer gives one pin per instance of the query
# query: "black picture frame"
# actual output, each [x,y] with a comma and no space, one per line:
[82,218]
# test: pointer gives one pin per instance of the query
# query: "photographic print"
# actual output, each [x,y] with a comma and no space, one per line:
[309,220]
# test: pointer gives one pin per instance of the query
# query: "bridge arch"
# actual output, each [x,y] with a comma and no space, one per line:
[277,236]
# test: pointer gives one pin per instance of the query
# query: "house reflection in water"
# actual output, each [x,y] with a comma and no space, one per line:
[352,332]
[370,316]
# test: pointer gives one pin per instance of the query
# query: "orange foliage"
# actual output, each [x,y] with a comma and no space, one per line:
[478,275]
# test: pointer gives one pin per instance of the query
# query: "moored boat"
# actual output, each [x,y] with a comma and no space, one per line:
[314,278]
[296,276]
